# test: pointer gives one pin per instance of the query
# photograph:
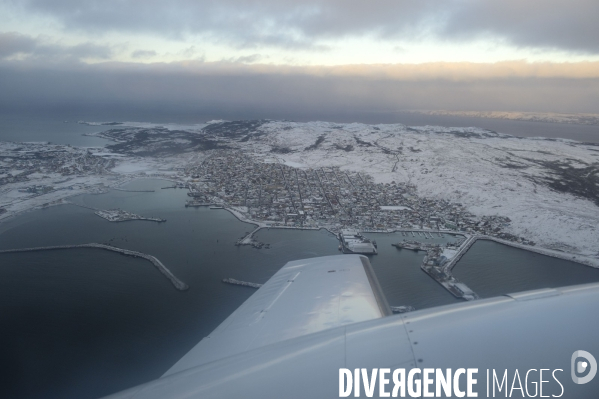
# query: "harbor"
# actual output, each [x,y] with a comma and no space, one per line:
[440,260]
[189,243]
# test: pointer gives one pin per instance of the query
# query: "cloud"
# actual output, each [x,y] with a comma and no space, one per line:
[13,44]
[143,54]
[246,59]
[562,24]
[235,91]
[557,24]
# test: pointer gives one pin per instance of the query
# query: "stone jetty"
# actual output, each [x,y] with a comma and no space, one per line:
[180,285]
[243,283]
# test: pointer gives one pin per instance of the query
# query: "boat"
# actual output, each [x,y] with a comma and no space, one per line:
[352,242]
[414,246]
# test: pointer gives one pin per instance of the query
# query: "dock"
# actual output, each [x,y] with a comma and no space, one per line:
[439,268]
[178,284]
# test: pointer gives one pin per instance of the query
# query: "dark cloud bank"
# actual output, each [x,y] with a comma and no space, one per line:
[235,91]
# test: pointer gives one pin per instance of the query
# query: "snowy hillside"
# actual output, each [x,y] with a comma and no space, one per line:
[548,188]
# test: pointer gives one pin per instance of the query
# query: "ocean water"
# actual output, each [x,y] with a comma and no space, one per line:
[491,269]
[85,323]
[50,126]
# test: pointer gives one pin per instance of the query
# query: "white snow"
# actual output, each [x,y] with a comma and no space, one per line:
[132,166]
[459,169]
[294,164]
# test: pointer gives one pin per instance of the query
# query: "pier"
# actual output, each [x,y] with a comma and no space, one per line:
[437,265]
[180,285]
[242,283]
[439,268]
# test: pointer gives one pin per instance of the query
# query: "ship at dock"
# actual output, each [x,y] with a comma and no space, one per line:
[417,245]
[352,242]
[413,245]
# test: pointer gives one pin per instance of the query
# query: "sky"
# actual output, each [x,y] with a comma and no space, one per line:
[302,56]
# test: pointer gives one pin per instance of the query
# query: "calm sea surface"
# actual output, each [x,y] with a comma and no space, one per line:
[492,269]
[50,126]
[84,323]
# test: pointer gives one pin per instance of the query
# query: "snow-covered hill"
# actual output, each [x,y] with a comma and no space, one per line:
[549,188]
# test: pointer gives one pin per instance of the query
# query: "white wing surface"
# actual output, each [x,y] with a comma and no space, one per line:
[290,339]
[303,297]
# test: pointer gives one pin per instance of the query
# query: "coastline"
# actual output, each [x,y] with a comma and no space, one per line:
[576,258]
[64,200]
[581,259]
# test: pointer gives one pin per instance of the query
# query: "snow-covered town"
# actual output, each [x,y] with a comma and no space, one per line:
[280,195]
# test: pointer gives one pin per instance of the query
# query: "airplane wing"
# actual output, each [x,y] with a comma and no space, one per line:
[316,316]
[304,297]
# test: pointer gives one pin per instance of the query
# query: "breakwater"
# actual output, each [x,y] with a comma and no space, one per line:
[249,240]
[178,284]
[242,283]
[133,191]
[468,242]
[583,260]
